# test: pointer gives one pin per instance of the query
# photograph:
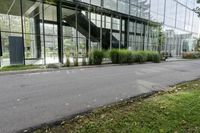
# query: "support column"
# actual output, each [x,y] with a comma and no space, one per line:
[37,35]
[101,32]
[1,50]
[43,27]
[22,24]
[126,33]
[87,39]
[144,33]
[77,35]
[111,27]
[60,31]
[135,35]
[148,36]
[120,33]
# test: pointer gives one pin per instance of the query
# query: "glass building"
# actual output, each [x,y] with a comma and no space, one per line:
[44,31]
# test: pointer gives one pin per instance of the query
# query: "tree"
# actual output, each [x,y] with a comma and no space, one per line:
[197,9]
[197,48]
[161,38]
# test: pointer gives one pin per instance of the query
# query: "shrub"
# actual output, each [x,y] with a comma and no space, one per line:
[90,62]
[191,55]
[106,53]
[123,54]
[54,66]
[68,62]
[126,56]
[140,56]
[197,55]
[84,62]
[130,57]
[150,55]
[76,61]
[153,56]
[187,55]
[156,57]
[114,55]
[98,57]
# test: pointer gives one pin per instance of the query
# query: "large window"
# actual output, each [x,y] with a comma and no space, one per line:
[188,20]
[181,10]
[110,4]
[96,2]
[170,13]
[123,6]
[144,8]
[195,26]
[157,10]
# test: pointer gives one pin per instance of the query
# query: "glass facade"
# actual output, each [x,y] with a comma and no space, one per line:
[51,30]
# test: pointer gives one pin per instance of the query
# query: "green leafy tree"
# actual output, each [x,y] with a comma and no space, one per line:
[161,38]
[197,48]
[197,9]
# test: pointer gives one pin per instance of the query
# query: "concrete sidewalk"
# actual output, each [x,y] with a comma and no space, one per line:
[31,99]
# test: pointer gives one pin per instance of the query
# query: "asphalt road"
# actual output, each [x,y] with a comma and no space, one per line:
[28,100]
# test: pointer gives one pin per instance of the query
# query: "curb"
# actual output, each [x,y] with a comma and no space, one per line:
[64,68]
[78,67]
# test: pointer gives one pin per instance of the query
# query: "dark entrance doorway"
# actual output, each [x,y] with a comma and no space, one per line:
[16,50]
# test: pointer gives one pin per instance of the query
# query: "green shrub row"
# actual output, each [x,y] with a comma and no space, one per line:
[191,55]
[126,56]
[119,57]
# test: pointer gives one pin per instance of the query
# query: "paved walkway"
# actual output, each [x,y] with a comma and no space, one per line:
[176,59]
[28,100]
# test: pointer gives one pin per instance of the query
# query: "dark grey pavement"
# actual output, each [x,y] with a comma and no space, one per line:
[32,99]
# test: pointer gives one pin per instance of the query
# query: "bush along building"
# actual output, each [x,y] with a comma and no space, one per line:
[47,31]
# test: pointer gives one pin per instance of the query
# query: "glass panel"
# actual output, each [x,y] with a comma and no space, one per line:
[34,48]
[157,10]
[123,6]
[110,4]
[70,39]
[51,38]
[180,16]
[96,2]
[10,26]
[189,19]
[170,14]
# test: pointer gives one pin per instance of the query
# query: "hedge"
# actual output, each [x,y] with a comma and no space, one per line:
[191,55]
[126,56]
[96,57]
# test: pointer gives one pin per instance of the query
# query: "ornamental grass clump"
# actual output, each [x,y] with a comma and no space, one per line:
[130,57]
[156,58]
[67,64]
[150,55]
[75,59]
[123,56]
[90,60]
[191,55]
[153,56]
[84,62]
[114,56]
[140,56]
[98,57]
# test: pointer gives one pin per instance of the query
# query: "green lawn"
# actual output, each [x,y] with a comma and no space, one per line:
[19,67]
[176,111]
